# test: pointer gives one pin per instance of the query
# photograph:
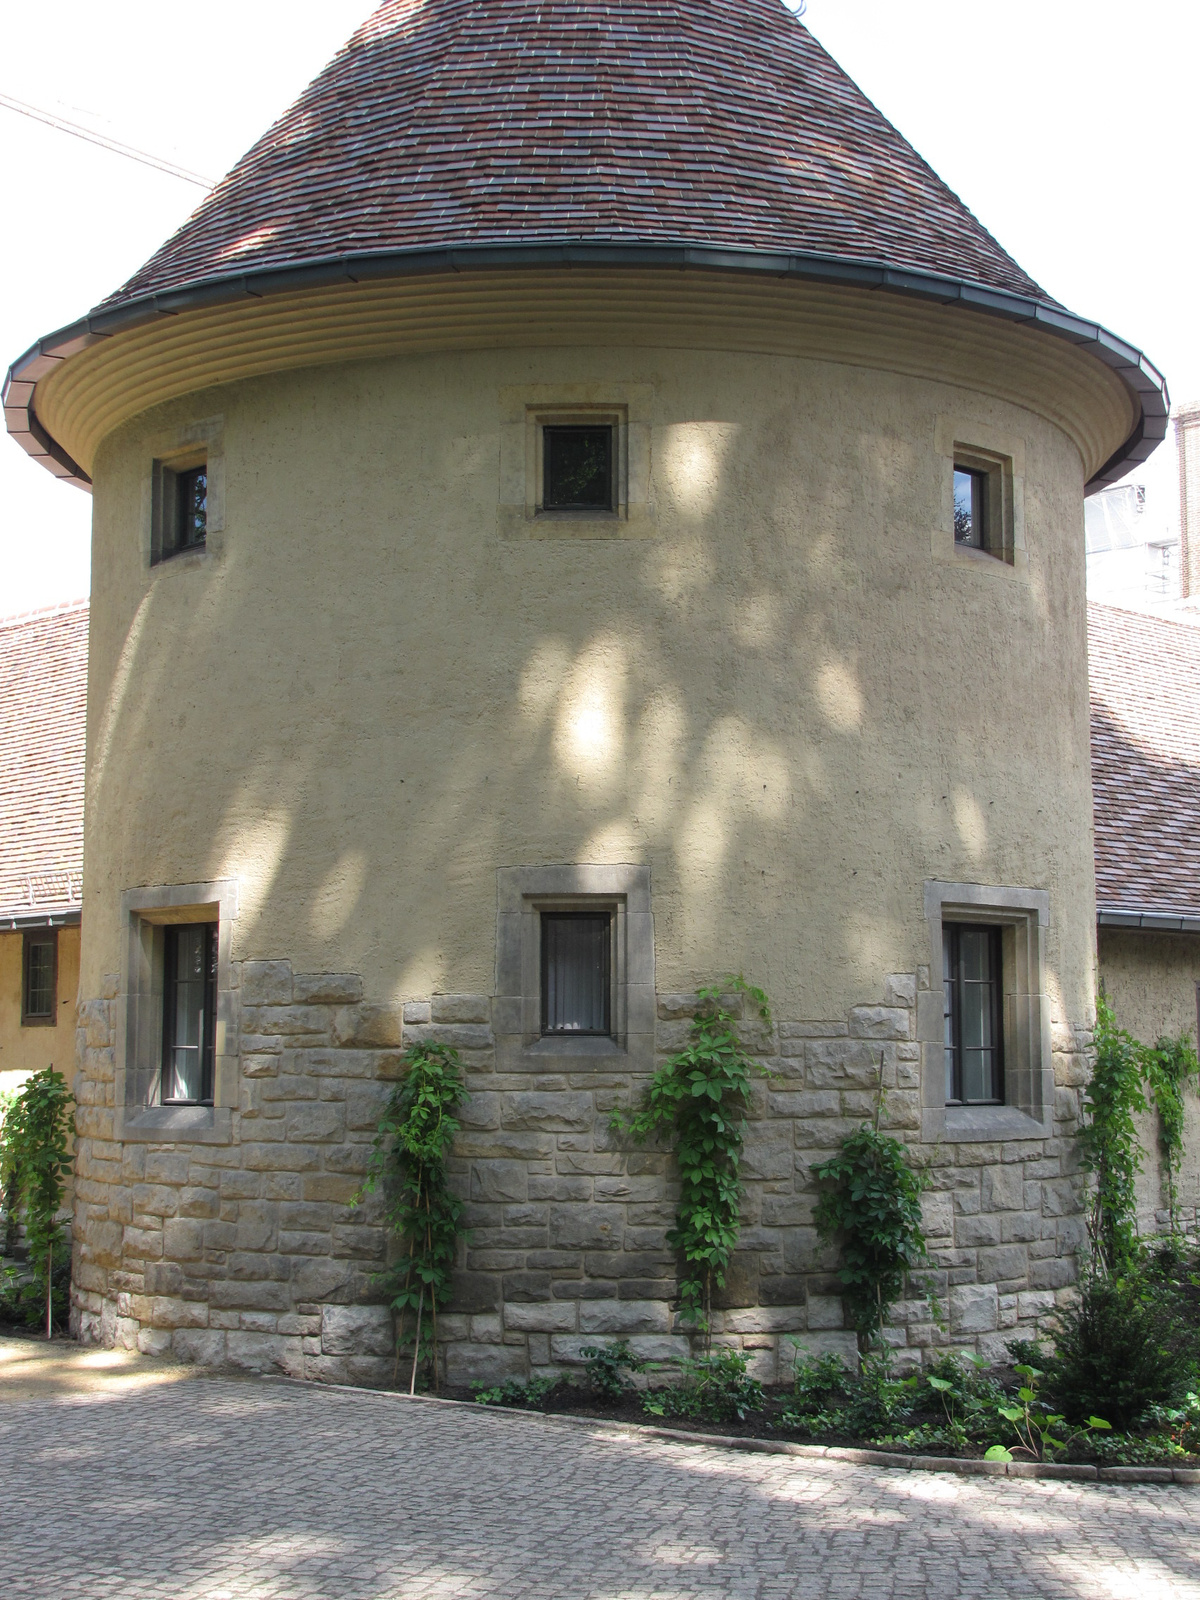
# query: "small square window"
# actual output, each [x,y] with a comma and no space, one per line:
[180,513]
[576,972]
[577,468]
[973,1011]
[970,508]
[189,1013]
[39,977]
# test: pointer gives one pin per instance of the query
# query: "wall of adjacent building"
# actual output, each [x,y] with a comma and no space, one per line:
[1150,980]
[789,697]
[24,1050]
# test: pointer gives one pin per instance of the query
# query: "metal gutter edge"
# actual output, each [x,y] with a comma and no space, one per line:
[12,923]
[1148,921]
[1144,382]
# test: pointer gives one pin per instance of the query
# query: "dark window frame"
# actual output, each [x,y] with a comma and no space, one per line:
[39,1019]
[208,1011]
[978,539]
[596,915]
[606,507]
[952,932]
[172,485]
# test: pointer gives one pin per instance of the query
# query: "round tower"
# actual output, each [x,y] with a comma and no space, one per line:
[581,511]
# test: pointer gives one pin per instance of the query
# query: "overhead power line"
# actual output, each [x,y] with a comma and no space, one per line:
[114,145]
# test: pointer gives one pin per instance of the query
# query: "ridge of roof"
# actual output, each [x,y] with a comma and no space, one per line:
[61,608]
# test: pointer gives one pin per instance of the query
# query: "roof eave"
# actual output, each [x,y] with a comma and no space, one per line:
[1145,383]
[1147,920]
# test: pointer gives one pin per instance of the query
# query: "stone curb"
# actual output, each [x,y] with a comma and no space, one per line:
[1077,1472]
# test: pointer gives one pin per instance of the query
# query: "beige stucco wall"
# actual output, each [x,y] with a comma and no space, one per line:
[368,701]
[1150,979]
[789,696]
[27,1050]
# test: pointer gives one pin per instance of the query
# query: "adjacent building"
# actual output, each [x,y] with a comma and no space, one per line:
[43,688]
[581,510]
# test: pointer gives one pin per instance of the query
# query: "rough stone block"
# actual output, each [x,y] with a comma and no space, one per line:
[537,1112]
[204,1346]
[974,1308]
[154,1341]
[879,1022]
[1003,1263]
[1035,1303]
[553,1316]
[182,1239]
[418,1011]
[765,1319]
[824,1311]
[1003,1188]
[625,1316]
[814,1345]
[368,1027]
[265,1352]
[483,1363]
[978,1230]
[326,988]
[316,1122]
[586,1227]
[356,1331]
[900,989]
[460,1008]
[266,983]
[499,1181]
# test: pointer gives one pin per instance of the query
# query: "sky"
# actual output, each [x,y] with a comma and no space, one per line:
[1067,126]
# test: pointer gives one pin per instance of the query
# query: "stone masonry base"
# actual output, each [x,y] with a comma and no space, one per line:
[254,1252]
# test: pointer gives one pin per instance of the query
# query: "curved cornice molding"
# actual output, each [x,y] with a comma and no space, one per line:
[51,357]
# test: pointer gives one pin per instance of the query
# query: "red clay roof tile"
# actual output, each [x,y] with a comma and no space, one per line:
[467,122]
[1145,693]
[43,688]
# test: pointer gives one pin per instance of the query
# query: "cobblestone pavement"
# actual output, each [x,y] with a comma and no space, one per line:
[134,1481]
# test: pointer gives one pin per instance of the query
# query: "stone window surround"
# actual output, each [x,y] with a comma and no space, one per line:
[965,441]
[139,1031]
[523,893]
[524,410]
[1023,915]
[176,449]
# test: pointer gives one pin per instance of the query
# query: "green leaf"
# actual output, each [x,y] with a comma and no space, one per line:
[997,1452]
[942,1385]
[1099,1422]
[1013,1413]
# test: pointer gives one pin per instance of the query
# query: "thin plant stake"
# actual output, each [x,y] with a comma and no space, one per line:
[412,1387]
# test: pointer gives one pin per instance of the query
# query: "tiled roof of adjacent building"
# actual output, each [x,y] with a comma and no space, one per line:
[43,690]
[1145,692]
[447,123]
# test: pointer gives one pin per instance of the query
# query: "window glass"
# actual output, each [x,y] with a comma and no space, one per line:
[576,967]
[189,1012]
[192,489]
[968,508]
[971,1010]
[38,999]
[578,469]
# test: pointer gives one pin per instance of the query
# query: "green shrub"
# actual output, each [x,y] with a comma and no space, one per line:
[1121,1348]
[712,1388]
[829,1399]
[609,1368]
[513,1392]
[35,1162]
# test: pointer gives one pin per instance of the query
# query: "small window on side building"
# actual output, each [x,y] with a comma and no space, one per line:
[973,1011]
[577,468]
[576,972]
[180,513]
[189,1013]
[39,977]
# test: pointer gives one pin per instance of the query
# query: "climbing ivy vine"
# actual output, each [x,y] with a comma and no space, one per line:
[1168,1067]
[1109,1143]
[415,1134]
[696,1103]
[871,1205]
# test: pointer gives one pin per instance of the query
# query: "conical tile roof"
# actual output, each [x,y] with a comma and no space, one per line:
[458,123]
